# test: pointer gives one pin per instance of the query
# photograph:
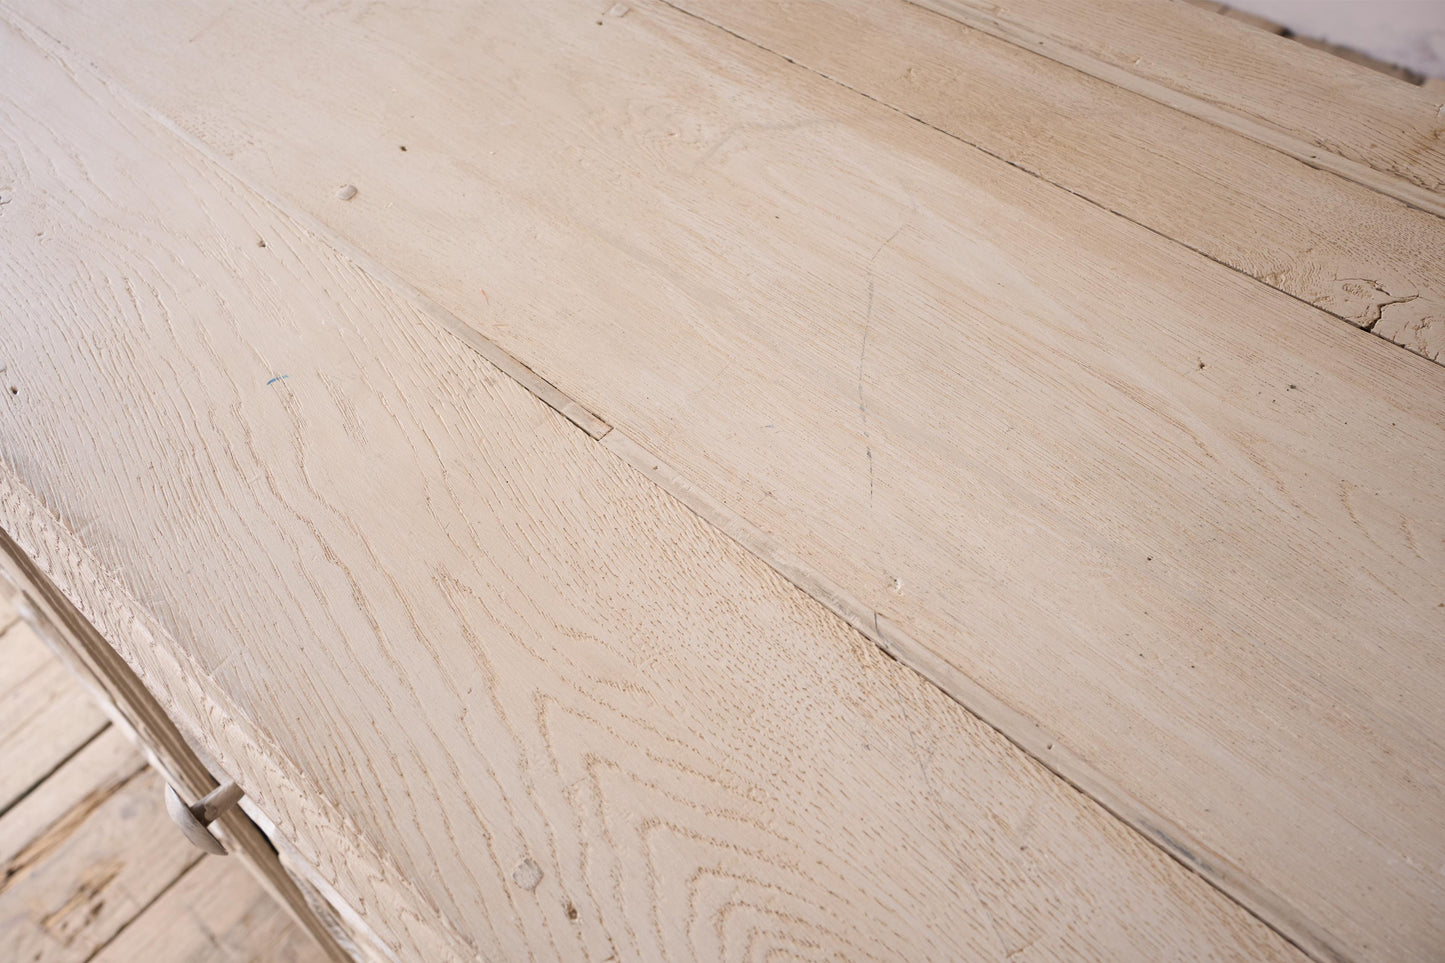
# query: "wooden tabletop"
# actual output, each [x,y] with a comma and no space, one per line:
[702,480]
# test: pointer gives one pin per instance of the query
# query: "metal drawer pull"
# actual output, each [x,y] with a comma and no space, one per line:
[195,819]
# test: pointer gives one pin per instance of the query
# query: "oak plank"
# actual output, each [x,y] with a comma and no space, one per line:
[506,694]
[1333,114]
[1364,257]
[1151,518]
[217,913]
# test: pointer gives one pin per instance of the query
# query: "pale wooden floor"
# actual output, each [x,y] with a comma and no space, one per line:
[90,866]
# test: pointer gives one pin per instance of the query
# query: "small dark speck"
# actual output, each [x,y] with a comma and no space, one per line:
[402,146]
[599,23]
[1148,558]
[1293,387]
[14,390]
[571,911]
[1201,366]
[261,242]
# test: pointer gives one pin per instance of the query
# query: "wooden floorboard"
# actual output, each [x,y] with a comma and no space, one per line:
[23,656]
[215,912]
[581,722]
[107,869]
[50,812]
[1153,519]
[45,716]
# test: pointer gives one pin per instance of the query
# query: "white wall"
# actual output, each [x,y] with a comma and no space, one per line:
[1410,33]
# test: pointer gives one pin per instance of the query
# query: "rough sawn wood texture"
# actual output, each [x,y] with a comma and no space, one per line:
[1174,532]
[581,723]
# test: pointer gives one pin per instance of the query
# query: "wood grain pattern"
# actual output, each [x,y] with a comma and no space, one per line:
[1150,517]
[442,635]
[1360,255]
[1329,113]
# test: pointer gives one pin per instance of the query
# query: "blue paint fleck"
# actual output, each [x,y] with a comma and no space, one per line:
[276,379]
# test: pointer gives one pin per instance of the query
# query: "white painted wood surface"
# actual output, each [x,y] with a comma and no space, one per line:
[440,633]
[1178,534]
